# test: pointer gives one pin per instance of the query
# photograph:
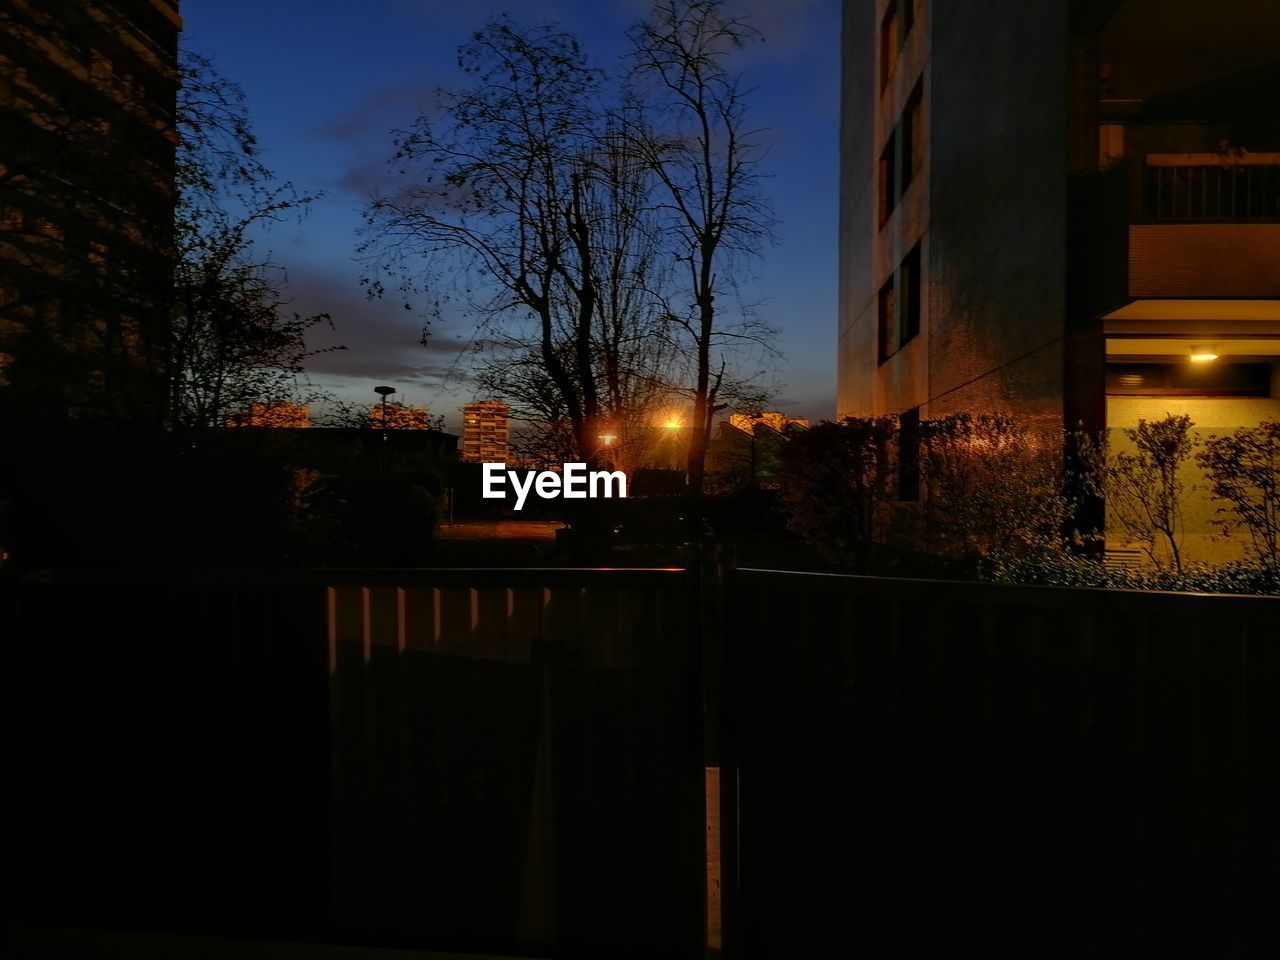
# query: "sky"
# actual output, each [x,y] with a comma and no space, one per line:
[328,81]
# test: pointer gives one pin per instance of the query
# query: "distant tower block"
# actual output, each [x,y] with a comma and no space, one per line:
[486,432]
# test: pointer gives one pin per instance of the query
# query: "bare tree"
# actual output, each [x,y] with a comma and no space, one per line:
[232,341]
[706,159]
[498,202]
[1144,490]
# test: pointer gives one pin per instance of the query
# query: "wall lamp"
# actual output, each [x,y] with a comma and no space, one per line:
[1204,353]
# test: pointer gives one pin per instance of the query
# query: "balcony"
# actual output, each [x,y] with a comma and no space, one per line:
[1211,187]
[1212,227]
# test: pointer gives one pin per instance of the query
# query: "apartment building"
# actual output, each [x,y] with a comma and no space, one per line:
[1066,210]
[87,149]
[486,432]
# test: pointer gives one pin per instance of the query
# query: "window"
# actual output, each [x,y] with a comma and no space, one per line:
[910,283]
[909,455]
[888,179]
[903,154]
[890,42]
[899,16]
[912,134]
[888,335]
[899,305]
[1184,379]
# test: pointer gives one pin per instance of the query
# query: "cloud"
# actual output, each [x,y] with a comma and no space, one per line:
[363,133]
[382,340]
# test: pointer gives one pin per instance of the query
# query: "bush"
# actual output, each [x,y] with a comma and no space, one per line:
[1244,472]
[837,484]
[989,485]
[1143,490]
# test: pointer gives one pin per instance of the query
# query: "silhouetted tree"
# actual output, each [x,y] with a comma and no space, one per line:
[499,196]
[1144,489]
[1243,468]
[697,141]
[232,341]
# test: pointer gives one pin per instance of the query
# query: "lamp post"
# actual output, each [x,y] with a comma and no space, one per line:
[384,392]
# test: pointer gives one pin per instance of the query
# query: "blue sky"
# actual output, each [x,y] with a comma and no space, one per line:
[327,81]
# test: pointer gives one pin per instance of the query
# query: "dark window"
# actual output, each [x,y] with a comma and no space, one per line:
[909,455]
[899,305]
[908,16]
[888,335]
[1186,379]
[910,285]
[891,34]
[888,179]
[912,135]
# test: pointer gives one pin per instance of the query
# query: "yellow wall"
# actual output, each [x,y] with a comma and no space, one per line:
[1210,415]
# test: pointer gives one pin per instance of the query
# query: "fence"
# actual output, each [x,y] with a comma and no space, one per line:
[496,760]
[1029,771]
[512,761]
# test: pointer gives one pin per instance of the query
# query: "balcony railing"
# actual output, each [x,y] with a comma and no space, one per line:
[1211,187]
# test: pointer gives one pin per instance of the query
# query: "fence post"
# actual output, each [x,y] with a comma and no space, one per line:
[712,569]
[538,907]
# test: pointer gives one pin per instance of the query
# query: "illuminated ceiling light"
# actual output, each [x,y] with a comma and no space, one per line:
[1204,353]
[1130,379]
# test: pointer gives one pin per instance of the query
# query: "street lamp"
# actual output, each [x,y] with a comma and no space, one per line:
[673,431]
[384,392]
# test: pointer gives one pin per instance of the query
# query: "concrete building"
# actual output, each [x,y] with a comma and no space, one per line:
[87,146]
[486,432]
[1047,207]
[773,419]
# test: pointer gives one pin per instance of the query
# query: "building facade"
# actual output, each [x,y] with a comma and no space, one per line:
[87,190]
[1047,208]
[486,432]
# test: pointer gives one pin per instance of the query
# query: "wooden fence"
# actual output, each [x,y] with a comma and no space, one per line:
[513,761]
[496,760]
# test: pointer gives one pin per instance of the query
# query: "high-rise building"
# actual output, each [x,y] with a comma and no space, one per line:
[87,150]
[1053,209]
[486,432]
[290,416]
[773,419]
[399,417]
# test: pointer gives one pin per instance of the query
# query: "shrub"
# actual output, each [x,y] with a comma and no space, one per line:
[836,486]
[1143,490]
[1244,471]
[989,485]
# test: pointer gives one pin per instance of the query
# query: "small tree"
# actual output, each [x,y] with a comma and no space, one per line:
[1144,490]
[837,482]
[1244,471]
